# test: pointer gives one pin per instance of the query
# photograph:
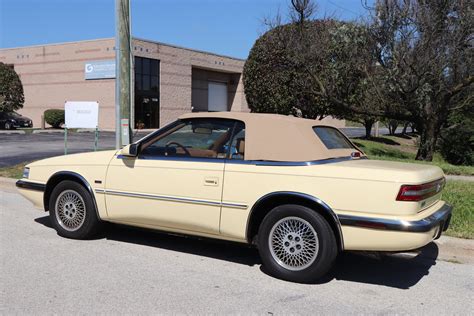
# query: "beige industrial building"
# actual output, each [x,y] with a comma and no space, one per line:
[168,80]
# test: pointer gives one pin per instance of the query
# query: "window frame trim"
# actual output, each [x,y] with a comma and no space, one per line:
[171,126]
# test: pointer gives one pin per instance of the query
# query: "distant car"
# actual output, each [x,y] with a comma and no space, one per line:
[11,120]
[298,190]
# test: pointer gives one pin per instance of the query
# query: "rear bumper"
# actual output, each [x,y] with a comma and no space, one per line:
[389,234]
[440,218]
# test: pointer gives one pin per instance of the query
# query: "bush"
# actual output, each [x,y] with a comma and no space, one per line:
[457,146]
[54,117]
[457,141]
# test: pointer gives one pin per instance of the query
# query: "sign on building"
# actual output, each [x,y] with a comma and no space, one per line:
[99,69]
[81,114]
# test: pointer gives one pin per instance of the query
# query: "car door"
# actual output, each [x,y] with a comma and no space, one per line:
[176,180]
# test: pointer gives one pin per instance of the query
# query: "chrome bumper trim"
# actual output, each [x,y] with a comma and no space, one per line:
[440,217]
[170,198]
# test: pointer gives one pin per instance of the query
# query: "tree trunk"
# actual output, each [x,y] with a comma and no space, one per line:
[368,128]
[428,137]
[405,127]
[392,127]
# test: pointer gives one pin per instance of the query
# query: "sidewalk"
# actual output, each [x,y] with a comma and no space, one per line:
[460,178]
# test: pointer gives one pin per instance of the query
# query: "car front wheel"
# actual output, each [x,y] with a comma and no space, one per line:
[72,211]
[296,244]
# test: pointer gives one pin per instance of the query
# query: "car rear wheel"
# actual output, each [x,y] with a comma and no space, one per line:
[72,211]
[7,125]
[296,244]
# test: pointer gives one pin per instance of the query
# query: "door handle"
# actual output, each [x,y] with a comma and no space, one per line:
[211,181]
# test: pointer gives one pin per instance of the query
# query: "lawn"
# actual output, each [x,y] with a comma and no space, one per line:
[15,171]
[460,194]
[403,148]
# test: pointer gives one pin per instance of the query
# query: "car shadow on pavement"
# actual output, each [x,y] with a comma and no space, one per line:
[212,248]
[400,271]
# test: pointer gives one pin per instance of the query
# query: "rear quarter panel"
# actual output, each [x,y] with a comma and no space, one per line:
[345,190]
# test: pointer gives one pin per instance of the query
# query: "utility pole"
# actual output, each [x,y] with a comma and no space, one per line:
[123,52]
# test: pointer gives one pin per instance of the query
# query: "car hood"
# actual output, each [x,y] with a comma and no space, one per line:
[83,159]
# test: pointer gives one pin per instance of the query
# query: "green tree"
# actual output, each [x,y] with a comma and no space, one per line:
[11,89]
[310,68]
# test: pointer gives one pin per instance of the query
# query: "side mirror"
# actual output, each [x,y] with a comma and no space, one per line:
[130,150]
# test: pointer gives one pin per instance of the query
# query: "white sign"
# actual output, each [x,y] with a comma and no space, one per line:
[81,114]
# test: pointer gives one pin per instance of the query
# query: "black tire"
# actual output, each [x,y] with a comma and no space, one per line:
[322,259]
[87,224]
[7,125]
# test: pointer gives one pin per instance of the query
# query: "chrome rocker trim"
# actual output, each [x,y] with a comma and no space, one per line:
[171,199]
[22,184]
[441,217]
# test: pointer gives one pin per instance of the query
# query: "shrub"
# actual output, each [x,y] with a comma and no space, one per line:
[457,146]
[54,117]
[457,141]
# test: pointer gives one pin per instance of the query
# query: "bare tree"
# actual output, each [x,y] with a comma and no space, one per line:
[425,51]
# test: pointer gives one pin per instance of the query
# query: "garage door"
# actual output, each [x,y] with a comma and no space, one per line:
[217,97]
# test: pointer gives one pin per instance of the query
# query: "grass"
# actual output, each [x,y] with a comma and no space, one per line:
[403,149]
[15,171]
[460,194]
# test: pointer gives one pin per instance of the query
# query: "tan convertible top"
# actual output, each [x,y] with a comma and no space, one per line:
[277,137]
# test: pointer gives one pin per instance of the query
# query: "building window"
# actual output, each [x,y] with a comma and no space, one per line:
[147,92]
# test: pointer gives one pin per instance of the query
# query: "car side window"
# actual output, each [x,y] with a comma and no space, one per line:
[332,138]
[237,147]
[197,138]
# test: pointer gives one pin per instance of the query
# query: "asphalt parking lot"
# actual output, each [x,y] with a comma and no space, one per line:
[130,271]
[18,148]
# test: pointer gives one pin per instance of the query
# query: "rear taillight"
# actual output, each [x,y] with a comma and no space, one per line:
[420,192]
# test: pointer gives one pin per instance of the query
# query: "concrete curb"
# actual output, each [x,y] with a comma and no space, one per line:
[12,132]
[48,131]
[455,250]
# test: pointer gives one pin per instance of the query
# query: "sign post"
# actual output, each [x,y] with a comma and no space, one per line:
[65,139]
[81,114]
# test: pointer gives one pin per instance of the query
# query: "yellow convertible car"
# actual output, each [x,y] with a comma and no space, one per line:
[300,191]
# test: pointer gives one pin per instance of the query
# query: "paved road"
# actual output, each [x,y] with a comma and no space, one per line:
[130,271]
[18,148]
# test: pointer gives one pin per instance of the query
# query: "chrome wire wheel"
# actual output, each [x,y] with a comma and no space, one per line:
[293,243]
[70,210]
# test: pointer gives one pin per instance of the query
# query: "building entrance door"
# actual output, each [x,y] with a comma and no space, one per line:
[147,93]
[147,112]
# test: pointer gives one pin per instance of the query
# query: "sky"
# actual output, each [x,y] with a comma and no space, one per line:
[227,27]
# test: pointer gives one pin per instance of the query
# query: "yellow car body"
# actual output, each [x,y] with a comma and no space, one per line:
[227,199]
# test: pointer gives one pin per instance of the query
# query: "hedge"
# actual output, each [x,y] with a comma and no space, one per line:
[54,117]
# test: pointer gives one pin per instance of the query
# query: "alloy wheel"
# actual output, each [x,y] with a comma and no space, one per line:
[293,243]
[70,210]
